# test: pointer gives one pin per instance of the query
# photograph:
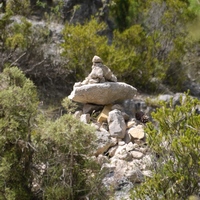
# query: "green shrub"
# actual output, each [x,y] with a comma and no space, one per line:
[125,56]
[174,138]
[19,7]
[81,43]
[65,147]
[139,55]
[18,106]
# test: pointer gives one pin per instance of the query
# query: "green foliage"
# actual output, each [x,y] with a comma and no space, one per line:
[18,105]
[125,13]
[38,154]
[82,42]
[65,148]
[175,140]
[149,50]
[120,11]
[51,10]
[19,35]
[195,6]
[19,7]
[69,105]
[21,43]
[125,56]
[133,57]
[15,35]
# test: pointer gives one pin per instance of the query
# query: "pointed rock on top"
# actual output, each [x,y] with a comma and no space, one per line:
[101,87]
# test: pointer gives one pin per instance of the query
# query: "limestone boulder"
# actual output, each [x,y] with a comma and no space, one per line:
[102,93]
[117,125]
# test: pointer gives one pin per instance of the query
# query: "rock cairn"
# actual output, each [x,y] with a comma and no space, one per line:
[121,148]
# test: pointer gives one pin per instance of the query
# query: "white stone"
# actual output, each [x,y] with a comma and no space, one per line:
[130,124]
[137,132]
[137,154]
[130,147]
[121,143]
[147,173]
[78,114]
[101,159]
[122,154]
[107,167]
[96,125]
[85,118]
[111,151]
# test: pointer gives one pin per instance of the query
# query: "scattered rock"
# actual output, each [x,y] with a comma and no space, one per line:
[85,118]
[137,154]
[147,173]
[127,138]
[120,140]
[137,132]
[135,176]
[130,147]
[130,124]
[78,114]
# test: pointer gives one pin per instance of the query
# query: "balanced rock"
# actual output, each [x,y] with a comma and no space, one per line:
[102,93]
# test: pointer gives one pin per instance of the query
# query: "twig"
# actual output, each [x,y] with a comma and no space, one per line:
[32,147]
[17,59]
[28,70]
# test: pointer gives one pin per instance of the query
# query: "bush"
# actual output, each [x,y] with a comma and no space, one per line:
[144,54]
[81,43]
[42,158]
[19,7]
[174,139]
[18,106]
[125,56]
[65,147]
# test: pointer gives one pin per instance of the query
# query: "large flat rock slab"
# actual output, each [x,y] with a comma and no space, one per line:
[103,93]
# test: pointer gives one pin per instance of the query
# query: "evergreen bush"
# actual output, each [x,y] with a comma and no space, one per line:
[42,158]
[65,149]
[174,138]
[18,106]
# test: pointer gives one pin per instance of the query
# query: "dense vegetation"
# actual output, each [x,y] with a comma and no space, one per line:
[153,42]
[41,158]
[175,138]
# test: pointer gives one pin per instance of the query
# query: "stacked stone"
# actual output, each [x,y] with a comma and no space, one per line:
[121,147]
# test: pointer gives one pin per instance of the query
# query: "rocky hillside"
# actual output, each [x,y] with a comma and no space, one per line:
[119,118]
[147,53]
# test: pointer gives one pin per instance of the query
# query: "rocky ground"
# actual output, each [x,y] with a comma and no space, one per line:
[119,117]
[122,151]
